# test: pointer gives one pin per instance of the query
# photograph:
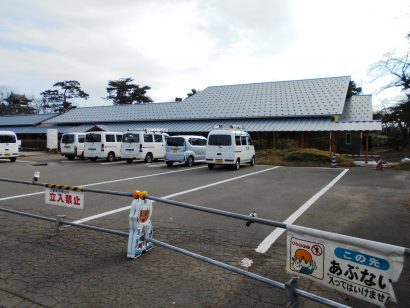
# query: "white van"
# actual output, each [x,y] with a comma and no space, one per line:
[143,144]
[185,149]
[106,145]
[229,145]
[9,145]
[72,145]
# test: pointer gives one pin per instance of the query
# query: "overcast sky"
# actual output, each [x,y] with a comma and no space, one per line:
[174,46]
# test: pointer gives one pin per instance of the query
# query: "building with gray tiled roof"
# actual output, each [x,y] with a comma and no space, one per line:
[27,127]
[308,113]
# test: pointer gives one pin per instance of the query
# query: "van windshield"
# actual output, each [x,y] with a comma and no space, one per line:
[92,138]
[175,141]
[67,139]
[7,139]
[131,138]
[220,140]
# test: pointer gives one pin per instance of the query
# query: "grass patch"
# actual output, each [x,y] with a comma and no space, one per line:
[300,157]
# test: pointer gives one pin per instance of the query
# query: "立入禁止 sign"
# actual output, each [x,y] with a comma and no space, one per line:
[64,197]
[360,268]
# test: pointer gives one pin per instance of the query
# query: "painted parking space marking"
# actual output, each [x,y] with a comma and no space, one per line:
[25,161]
[105,182]
[22,196]
[176,194]
[271,238]
[113,162]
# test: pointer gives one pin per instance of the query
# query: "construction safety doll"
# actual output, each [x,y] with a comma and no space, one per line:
[140,226]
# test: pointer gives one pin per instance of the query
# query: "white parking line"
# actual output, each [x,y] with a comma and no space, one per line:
[271,238]
[21,196]
[174,195]
[25,161]
[113,162]
[106,182]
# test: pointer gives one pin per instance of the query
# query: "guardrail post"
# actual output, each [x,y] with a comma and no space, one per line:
[290,291]
[59,218]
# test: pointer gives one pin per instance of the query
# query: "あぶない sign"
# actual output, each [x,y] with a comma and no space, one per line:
[360,268]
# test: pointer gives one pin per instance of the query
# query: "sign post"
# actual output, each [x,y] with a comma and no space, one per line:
[63,195]
[360,268]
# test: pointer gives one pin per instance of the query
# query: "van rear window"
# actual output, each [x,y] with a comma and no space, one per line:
[92,138]
[7,139]
[67,139]
[220,140]
[131,138]
[175,141]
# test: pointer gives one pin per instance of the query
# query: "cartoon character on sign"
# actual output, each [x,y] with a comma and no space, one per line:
[140,228]
[302,262]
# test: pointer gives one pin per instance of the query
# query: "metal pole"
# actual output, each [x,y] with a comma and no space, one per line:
[172,202]
[253,276]
[219,212]
[231,268]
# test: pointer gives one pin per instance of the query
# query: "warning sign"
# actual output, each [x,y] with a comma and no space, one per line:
[360,268]
[66,198]
[306,257]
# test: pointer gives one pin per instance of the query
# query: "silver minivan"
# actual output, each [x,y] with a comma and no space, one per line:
[185,149]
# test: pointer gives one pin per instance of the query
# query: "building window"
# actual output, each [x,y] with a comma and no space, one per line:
[348,138]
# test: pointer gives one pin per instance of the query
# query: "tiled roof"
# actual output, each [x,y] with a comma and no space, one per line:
[297,98]
[26,119]
[358,108]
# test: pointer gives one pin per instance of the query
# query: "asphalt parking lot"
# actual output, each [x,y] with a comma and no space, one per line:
[85,268]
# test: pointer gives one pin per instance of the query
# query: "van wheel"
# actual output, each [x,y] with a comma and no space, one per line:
[93,158]
[129,160]
[169,163]
[211,166]
[252,163]
[70,157]
[13,159]
[82,156]
[237,164]
[148,158]
[110,157]
[190,161]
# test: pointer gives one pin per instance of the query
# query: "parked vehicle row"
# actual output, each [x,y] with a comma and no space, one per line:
[225,145]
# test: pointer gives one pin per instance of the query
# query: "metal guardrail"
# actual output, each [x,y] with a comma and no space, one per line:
[289,288]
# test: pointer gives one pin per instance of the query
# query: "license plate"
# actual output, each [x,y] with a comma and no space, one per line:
[6,155]
[67,146]
[219,161]
[175,151]
[92,149]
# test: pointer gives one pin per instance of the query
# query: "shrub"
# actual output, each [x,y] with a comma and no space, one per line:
[301,157]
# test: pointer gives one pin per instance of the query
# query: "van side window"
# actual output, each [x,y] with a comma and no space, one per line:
[81,138]
[243,139]
[148,138]
[119,138]
[238,140]
[109,138]
[250,140]
[197,141]
[200,142]
[158,138]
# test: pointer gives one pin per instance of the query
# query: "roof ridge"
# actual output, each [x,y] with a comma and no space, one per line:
[278,81]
